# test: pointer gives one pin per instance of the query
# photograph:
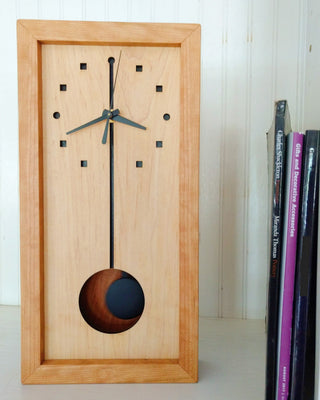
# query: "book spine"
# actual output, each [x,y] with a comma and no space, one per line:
[303,327]
[294,158]
[275,251]
[317,312]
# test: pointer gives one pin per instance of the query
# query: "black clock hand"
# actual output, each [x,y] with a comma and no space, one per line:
[127,121]
[106,114]
[104,139]
[115,114]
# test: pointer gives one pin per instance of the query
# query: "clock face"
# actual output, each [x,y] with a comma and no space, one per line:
[76,197]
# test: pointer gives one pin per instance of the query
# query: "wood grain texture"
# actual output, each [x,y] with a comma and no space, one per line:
[146,200]
[189,203]
[182,203]
[31,205]
[118,33]
[118,371]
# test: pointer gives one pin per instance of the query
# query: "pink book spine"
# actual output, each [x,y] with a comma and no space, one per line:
[294,165]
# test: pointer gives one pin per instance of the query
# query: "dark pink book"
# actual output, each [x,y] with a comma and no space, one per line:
[290,235]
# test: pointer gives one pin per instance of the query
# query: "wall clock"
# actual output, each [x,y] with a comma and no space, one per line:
[109,152]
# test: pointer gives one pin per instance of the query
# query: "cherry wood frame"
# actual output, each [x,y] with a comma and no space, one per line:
[31,35]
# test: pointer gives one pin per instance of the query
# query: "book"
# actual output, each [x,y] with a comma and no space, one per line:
[317,339]
[303,327]
[289,247]
[276,141]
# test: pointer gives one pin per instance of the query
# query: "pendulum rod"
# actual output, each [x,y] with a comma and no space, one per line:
[111,91]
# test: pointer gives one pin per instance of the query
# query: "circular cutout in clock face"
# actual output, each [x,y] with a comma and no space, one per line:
[77,196]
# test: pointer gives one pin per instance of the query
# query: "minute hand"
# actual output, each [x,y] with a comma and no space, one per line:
[105,115]
[126,121]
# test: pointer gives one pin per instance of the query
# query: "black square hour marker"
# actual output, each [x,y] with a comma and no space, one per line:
[139,68]
[159,88]
[83,65]
[159,143]
[139,164]
[63,88]
[63,143]
[84,163]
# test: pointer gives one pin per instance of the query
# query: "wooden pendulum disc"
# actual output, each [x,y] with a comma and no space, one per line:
[111,301]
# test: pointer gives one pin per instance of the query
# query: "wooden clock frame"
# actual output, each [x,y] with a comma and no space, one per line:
[35,369]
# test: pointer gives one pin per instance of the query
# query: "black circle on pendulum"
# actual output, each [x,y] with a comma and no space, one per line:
[111,60]
[166,117]
[125,298]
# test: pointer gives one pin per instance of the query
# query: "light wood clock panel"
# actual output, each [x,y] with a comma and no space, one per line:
[109,153]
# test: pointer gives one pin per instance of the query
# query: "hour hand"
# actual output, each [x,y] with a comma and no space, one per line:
[105,115]
[126,121]
[110,115]
[105,133]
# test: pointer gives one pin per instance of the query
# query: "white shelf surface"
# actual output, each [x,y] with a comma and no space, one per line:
[231,366]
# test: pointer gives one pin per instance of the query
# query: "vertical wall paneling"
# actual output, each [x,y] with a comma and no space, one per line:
[140,11]
[301,63]
[165,10]
[210,145]
[25,9]
[287,47]
[274,60]
[261,103]
[223,75]
[96,10]
[189,11]
[234,160]
[247,138]
[74,9]
[49,9]
[118,10]
[251,56]
[9,174]
[312,82]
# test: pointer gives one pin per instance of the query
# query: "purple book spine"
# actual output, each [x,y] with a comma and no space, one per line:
[294,161]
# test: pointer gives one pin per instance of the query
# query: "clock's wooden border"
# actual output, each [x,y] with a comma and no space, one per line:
[31,35]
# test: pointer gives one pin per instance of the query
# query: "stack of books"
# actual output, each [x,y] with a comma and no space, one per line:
[291,308]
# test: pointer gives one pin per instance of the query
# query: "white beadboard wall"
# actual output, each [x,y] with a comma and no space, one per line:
[253,52]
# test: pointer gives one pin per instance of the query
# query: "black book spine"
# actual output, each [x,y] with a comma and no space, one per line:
[278,136]
[303,328]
